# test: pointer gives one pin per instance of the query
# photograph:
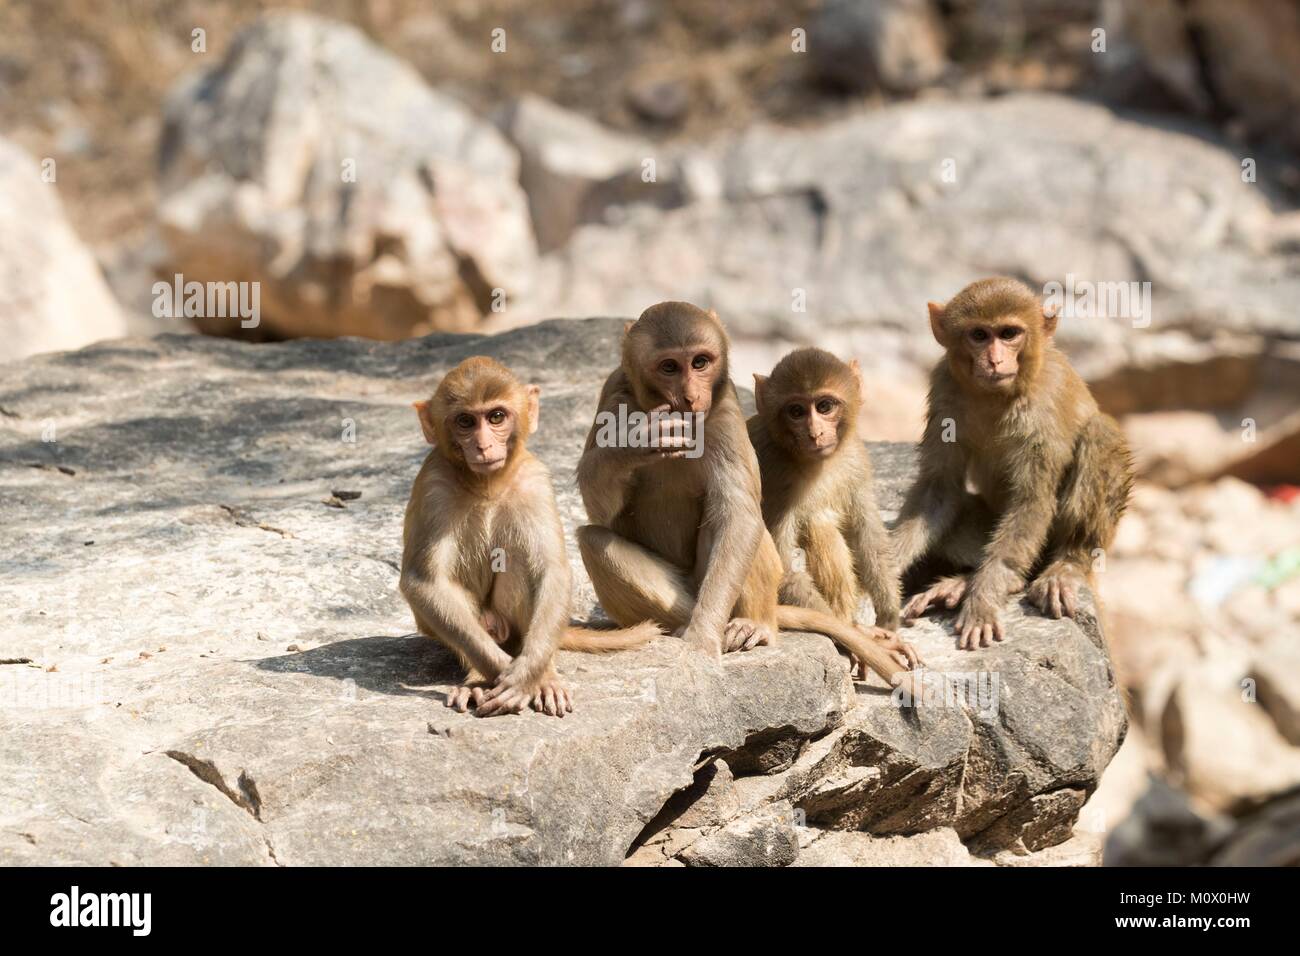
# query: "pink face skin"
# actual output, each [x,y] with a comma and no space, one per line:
[995,353]
[483,435]
[814,422]
[685,378]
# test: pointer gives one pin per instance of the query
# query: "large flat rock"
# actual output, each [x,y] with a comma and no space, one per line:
[203,661]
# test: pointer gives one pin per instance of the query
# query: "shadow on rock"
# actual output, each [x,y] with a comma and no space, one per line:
[403,666]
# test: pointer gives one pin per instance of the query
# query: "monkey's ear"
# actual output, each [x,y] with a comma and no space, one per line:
[1050,314]
[760,392]
[627,326]
[426,423]
[534,406]
[856,369]
[936,323]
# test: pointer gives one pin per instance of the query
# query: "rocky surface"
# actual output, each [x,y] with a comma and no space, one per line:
[566,160]
[1237,59]
[204,656]
[320,165]
[862,44]
[51,293]
[839,235]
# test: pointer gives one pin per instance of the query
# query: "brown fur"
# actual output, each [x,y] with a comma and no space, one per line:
[504,624]
[1053,472]
[818,499]
[681,540]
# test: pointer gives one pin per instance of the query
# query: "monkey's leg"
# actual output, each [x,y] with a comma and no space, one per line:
[1090,504]
[632,583]
[962,548]
[830,563]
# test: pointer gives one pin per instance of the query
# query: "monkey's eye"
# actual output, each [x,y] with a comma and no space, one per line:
[1009,333]
[826,406]
[795,411]
[979,335]
[699,362]
[668,367]
[496,416]
[464,421]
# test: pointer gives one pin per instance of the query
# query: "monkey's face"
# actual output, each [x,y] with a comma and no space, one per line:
[994,353]
[813,424]
[484,436]
[685,378]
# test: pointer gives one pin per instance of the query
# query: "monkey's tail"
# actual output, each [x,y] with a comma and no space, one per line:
[592,640]
[792,618]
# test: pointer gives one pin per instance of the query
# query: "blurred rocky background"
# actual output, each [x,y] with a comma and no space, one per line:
[814,169]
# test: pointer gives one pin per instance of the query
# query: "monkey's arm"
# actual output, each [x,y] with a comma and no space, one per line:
[732,518]
[873,553]
[797,586]
[934,500]
[550,615]
[1022,529]
[444,605]
[605,471]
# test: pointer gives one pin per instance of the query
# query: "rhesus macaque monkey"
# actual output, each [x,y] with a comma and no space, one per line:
[818,501]
[1051,474]
[676,533]
[483,560]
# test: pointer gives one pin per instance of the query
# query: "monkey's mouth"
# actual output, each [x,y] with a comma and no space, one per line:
[485,465]
[997,378]
[816,450]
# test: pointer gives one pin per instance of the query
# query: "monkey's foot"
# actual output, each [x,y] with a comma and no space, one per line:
[742,634]
[900,650]
[553,698]
[1056,590]
[946,591]
[701,642]
[466,695]
[979,623]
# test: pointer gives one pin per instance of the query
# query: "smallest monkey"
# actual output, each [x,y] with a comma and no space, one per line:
[483,560]
[818,500]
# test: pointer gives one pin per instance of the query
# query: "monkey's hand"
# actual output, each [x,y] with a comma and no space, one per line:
[742,634]
[979,622]
[667,434]
[900,650]
[1056,590]
[946,591]
[520,687]
[468,694]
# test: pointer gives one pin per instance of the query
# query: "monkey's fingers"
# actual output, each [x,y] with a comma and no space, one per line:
[458,699]
[901,650]
[503,699]
[549,704]
[920,603]
[1069,599]
[1054,598]
[916,606]
[762,637]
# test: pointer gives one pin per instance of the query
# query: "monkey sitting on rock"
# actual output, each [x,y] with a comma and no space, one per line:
[483,560]
[1009,417]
